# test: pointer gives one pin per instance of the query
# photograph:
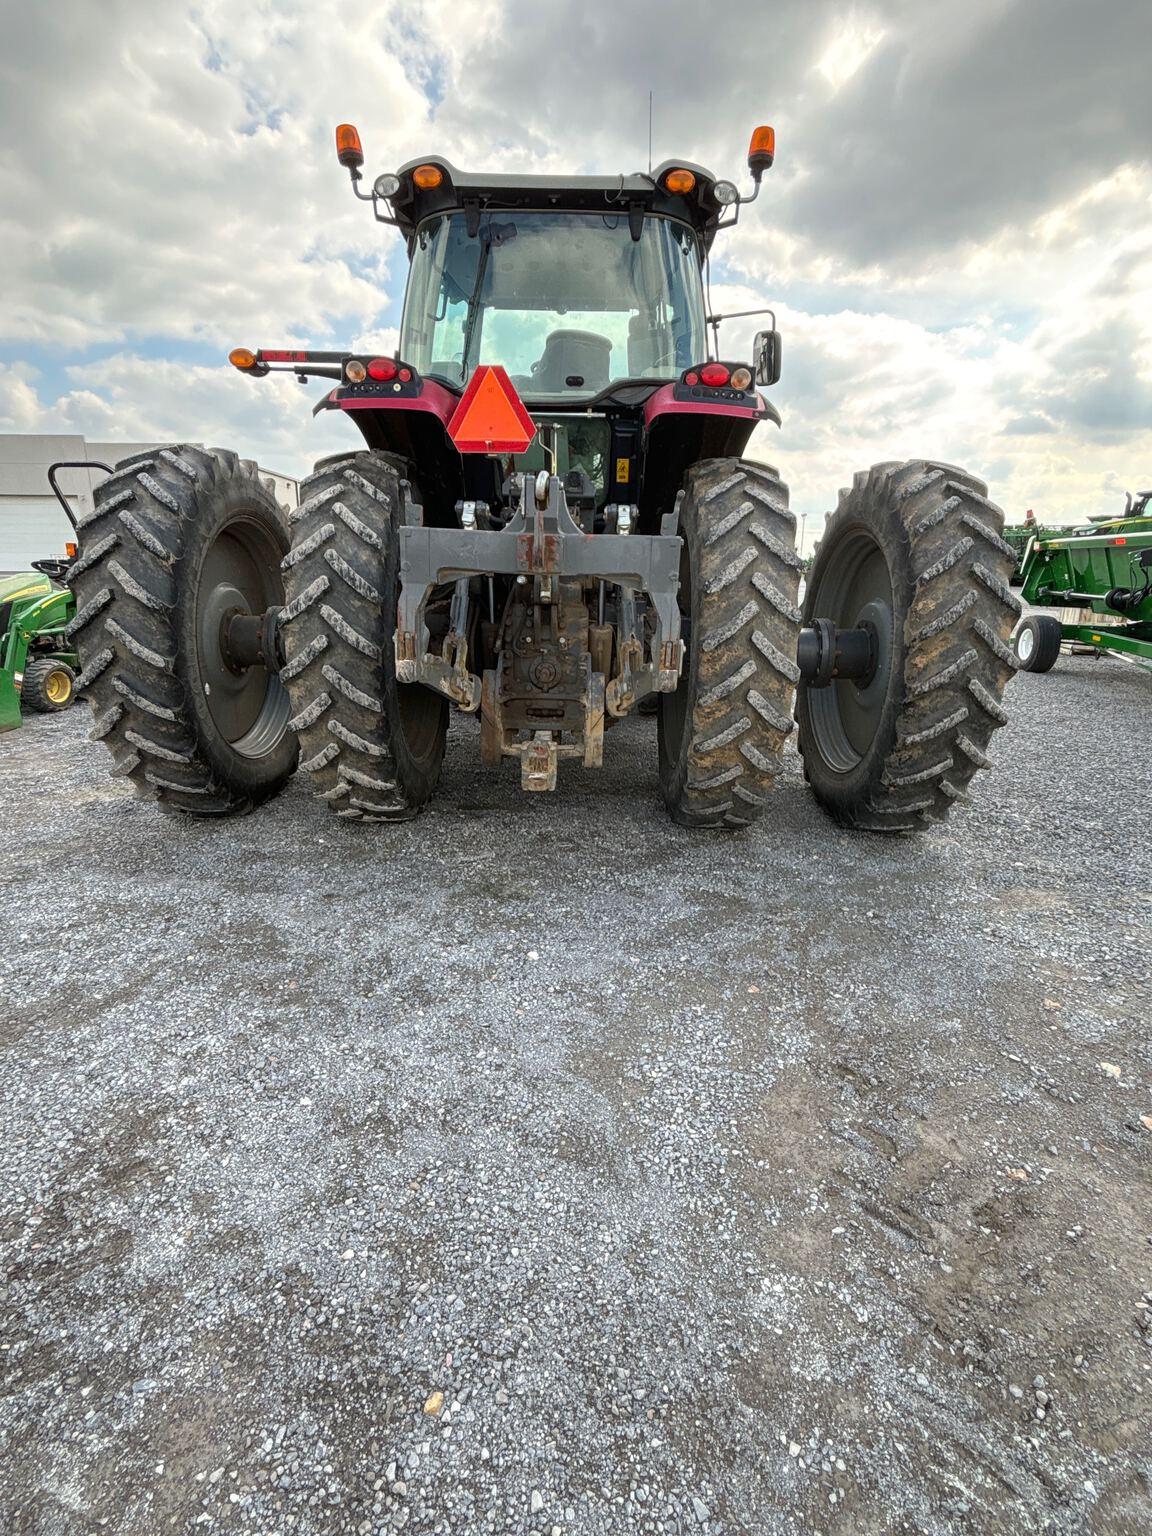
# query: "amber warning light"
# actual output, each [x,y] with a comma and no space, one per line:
[349,150]
[761,151]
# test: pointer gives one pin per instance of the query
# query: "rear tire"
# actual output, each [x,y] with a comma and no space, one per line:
[372,745]
[48,686]
[722,733]
[178,539]
[1037,642]
[914,550]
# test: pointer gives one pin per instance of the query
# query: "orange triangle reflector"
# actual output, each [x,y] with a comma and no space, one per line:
[491,417]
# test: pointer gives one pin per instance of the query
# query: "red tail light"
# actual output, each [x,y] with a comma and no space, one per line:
[383,369]
[715,375]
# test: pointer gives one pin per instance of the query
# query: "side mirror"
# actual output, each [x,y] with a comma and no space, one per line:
[766,353]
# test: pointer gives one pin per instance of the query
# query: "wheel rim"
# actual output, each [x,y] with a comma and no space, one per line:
[854,591]
[240,574]
[58,688]
[1025,644]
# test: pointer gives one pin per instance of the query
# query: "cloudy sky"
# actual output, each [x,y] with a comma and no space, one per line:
[957,234]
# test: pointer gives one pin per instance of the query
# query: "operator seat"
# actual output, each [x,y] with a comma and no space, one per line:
[572,354]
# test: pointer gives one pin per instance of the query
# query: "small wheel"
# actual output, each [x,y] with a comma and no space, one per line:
[180,541]
[1037,642]
[48,686]
[373,745]
[913,554]
[722,733]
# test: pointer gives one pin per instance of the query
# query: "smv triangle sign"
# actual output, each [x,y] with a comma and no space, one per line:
[491,417]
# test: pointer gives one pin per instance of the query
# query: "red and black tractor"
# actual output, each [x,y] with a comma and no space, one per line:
[549,525]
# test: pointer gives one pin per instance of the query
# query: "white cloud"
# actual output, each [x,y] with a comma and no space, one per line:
[956,234]
[856,38]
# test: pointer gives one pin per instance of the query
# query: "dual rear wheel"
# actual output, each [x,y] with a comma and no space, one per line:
[913,564]
[186,549]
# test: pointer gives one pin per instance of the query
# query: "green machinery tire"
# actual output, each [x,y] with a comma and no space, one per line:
[914,552]
[1037,642]
[373,746]
[178,539]
[48,686]
[722,733]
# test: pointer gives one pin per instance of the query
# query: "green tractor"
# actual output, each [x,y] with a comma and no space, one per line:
[38,663]
[38,658]
[1103,568]
[550,520]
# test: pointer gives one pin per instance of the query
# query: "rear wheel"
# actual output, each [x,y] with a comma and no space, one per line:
[373,746]
[1037,642]
[913,554]
[180,541]
[721,734]
[48,686]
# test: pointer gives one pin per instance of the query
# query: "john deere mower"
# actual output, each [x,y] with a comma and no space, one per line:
[550,520]
[1103,568]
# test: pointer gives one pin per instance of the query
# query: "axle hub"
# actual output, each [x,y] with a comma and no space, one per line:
[825,653]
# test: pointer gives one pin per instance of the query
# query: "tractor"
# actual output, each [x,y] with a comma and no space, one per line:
[38,663]
[1104,569]
[549,524]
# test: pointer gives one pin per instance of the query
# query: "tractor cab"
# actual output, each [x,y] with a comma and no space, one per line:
[588,293]
[575,287]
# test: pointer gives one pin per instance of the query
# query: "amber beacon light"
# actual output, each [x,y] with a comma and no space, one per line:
[349,150]
[761,151]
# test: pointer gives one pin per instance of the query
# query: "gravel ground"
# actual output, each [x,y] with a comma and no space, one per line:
[541,1167]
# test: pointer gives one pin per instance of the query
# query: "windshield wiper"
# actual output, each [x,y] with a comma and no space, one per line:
[494,234]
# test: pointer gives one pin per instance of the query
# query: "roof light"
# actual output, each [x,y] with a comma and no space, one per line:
[741,378]
[761,151]
[426,177]
[383,369]
[715,375]
[241,358]
[386,186]
[725,193]
[349,150]
[355,371]
[679,182]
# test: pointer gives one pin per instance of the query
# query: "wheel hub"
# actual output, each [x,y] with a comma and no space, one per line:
[848,666]
[236,608]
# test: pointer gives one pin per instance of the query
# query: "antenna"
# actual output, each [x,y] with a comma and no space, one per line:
[649,133]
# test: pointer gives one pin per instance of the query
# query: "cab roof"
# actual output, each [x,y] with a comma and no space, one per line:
[632,195]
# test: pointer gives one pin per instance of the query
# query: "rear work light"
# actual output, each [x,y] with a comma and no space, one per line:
[715,375]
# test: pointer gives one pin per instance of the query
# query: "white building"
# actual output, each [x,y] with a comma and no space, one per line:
[32,524]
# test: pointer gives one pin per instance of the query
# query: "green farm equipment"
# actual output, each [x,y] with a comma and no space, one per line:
[38,664]
[1018,536]
[1104,568]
